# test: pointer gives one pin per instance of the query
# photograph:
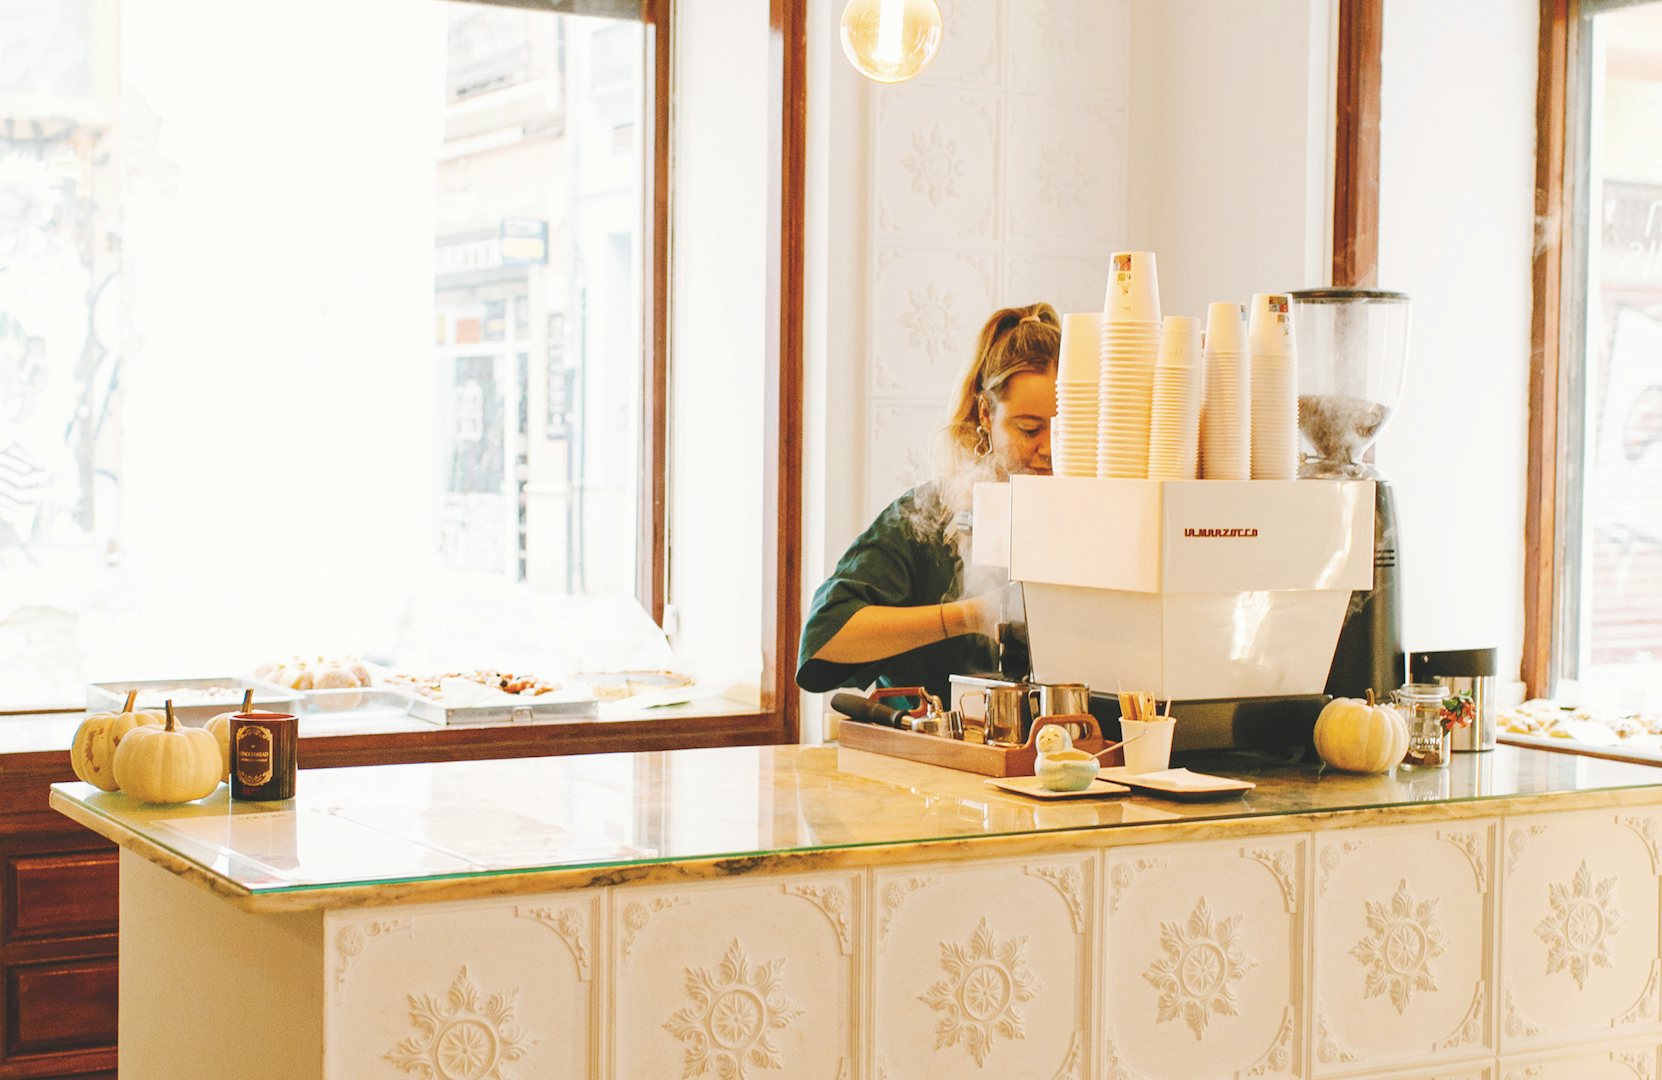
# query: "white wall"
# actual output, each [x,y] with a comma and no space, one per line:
[1231,129]
[996,177]
[1456,221]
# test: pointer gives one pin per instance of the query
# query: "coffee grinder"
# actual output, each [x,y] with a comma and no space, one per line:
[1352,351]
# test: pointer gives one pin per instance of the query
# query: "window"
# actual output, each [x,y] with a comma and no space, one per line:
[1606,621]
[341,329]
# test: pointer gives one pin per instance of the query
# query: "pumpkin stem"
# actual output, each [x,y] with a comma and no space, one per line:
[172,721]
[1370,695]
[247,700]
[132,696]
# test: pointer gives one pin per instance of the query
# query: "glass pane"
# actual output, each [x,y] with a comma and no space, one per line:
[1620,616]
[320,333]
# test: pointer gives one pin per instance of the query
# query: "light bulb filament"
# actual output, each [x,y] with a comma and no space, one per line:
[889,19]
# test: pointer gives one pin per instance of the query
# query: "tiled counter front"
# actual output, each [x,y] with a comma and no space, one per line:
[1492,949]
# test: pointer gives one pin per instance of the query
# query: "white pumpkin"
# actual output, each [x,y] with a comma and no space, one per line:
[168,764]
[220,728]
[92,750]
[1361,736]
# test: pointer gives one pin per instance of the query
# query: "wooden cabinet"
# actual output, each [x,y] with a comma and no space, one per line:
[57,951]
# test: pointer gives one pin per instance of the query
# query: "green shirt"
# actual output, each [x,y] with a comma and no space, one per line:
[896,562]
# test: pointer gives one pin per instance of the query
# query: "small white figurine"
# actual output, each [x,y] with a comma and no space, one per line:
[1058,765]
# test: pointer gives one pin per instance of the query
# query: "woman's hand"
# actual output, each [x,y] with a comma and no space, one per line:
[976,614]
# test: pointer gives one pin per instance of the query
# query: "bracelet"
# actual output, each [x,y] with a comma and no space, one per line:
[940,609]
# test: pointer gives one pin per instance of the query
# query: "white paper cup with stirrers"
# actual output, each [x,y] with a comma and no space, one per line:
[1174,421]
[1274,366]
[1226,423]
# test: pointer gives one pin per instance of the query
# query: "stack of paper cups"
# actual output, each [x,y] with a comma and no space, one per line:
[1130,344]
[1174,423]
[1226,416]
[1274,388]
[1073,432]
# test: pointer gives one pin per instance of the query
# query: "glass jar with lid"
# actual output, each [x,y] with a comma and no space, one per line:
[1421,705]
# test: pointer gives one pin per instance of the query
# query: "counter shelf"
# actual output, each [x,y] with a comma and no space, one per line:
[452,829]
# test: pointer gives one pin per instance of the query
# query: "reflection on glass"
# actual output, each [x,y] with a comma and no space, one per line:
[1618,624]
[385,318]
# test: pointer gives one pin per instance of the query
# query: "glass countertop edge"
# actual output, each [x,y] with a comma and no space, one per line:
[1235,813]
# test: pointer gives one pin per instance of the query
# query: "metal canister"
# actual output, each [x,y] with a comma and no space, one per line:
[1055,699]
[1463,673]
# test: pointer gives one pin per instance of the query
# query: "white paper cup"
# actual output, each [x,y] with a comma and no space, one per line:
[1081,345]
[1224,332]
[1147,744]
[1270,324]
[1133,288]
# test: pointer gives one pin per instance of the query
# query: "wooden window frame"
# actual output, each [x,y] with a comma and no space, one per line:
[1557,335]
[777,719]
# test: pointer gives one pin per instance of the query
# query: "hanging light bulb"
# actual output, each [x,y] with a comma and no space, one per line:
[889,41]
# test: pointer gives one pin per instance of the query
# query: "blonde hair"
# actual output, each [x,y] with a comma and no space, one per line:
[1014,341]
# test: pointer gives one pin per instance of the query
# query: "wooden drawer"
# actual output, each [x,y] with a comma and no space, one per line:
[59,895]
[60,1005]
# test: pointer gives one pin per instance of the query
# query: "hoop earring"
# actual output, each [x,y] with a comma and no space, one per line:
[983,442]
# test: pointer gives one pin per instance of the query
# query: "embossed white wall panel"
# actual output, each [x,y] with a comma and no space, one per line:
[465,990]
[1064,178]
[1405,920]
[1619,1063]
[928,307]
[897,448]
[737,979]
[1203,960]
[1065,48]
[935,156]
[1579,942]
[983,969]
[971,43]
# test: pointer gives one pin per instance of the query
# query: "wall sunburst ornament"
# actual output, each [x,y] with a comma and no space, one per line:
[984,984]
[936,165]
[461,1036]
[1203,958]
[1583,920]
[1403,938]
[735,1011]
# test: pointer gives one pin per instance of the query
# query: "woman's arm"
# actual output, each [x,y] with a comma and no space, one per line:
[875,632]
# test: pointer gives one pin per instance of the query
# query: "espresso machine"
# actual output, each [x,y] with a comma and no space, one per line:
[1352,349]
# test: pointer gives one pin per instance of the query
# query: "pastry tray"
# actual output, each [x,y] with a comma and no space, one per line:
[435,712]
[268,697]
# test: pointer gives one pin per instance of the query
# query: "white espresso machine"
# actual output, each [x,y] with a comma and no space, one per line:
[1225,597]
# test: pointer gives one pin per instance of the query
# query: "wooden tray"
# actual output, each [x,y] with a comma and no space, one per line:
[972,757]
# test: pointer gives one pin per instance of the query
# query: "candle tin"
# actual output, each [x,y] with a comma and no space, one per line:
[264,758]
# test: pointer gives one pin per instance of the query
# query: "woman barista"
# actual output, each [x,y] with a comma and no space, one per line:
[893,611]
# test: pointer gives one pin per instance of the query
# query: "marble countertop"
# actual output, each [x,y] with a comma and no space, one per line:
[375,835]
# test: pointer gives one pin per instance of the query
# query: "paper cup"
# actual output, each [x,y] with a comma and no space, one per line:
[1147,744]
[1133,288]
[1270,324]
[1224,332]
[1081,345]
